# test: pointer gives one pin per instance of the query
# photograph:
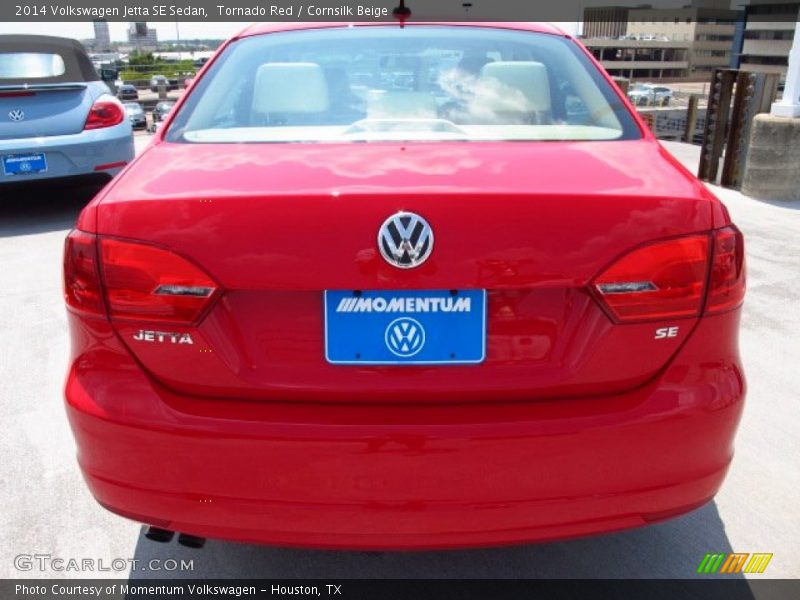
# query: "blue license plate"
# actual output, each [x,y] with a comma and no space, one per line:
[24,164]
[405,327]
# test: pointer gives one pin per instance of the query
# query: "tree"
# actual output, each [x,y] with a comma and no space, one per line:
[137,58]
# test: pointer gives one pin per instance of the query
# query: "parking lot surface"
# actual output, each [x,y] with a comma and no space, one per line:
[48,510]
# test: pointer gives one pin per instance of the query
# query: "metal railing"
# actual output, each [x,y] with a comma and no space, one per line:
[720,124]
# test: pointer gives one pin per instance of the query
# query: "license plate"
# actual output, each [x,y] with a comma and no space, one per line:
[24,164]
[405,327]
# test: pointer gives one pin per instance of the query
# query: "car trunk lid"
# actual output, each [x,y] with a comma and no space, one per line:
[276,226]
[43,110]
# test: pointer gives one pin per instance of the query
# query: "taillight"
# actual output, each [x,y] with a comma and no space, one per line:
[663,280]
[82,290]
[727,280]
[148,283]
[104,113]
[668,279]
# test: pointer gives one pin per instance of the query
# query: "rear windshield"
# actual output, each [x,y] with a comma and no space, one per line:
[43,60]
[30,65]
[425,83]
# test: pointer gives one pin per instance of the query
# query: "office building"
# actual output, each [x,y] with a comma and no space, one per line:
[767,35]
[102,37]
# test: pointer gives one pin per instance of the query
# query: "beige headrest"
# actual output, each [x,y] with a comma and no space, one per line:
[290,88]
[521,86]
[402,105]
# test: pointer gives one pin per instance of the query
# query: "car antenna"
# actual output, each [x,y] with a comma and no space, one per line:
[401,12]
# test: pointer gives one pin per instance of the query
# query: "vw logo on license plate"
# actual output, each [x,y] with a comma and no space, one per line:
[405,337]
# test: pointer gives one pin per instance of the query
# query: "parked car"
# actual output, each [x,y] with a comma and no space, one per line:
[136,115]
[299,319]
[58,120]
[161,110]
[157,80]
[159,114]
[126,91]
[643,94]
[663,95]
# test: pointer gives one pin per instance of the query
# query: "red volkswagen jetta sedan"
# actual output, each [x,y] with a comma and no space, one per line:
[384,287]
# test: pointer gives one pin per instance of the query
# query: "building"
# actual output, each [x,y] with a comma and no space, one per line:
[708,29]
[682,43]
[102,37]
[767,35]
[141,37]
[201,56]
[641,59]
[605,22]
[106,57]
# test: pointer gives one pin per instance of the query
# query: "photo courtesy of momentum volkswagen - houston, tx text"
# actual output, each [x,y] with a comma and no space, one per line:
[384,287]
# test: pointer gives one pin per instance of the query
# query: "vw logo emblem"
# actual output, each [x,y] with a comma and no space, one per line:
[16,115]
[405,240]
[405,337]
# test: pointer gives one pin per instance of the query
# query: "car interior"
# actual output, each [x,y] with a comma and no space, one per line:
[460,88]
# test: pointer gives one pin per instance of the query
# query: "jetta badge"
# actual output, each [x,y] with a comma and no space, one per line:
[16,115]
[405,240]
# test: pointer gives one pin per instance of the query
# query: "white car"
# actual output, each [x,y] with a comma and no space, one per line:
[646,94]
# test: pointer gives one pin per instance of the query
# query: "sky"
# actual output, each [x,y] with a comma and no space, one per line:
[166,31]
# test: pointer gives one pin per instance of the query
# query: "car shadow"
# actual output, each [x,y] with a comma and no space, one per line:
[26,211]
[672,549]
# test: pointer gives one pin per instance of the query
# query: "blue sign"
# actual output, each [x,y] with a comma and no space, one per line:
[405,327]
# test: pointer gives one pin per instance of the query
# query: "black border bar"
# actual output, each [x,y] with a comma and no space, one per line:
[343,10]
[720,588]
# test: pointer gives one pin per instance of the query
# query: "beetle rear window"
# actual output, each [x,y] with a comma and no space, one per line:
[30,65]
[418,83]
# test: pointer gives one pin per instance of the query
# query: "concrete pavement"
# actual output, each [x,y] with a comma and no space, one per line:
[48,510]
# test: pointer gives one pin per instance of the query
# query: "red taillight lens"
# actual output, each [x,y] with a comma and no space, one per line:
[82,290]
[727,281]
[663,280]
[104,113]
[148,283]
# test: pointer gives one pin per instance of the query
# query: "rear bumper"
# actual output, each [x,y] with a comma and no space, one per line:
[99,151]
[405,476]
